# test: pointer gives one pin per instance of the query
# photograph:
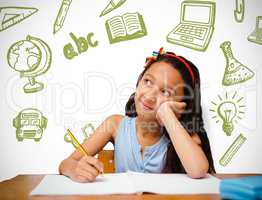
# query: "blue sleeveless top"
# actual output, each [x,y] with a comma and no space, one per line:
[127,153]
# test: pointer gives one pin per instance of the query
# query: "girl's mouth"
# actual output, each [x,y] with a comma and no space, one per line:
[146,107]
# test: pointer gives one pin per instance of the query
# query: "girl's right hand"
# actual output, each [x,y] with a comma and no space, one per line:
[86,169]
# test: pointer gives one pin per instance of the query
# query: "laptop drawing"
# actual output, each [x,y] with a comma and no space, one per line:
[196,25]
[256,35]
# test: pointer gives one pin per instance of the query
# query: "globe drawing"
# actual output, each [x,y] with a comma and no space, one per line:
[30,57]
[23,56]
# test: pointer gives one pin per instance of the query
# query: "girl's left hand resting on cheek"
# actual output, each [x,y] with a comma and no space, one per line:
[188,149]
[169,109]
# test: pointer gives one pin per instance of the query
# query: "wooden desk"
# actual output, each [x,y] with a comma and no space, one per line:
[19,187]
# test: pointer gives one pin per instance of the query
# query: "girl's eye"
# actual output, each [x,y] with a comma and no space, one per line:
[166,93]
[147,82]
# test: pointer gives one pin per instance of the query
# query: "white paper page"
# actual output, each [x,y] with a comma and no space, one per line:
[117,183]
[174,183]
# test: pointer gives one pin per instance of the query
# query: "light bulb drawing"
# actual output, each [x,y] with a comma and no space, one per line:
[229,110]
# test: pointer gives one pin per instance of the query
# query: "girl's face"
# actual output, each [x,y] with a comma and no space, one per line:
[160,83]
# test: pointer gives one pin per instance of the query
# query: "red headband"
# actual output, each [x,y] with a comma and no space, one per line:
[161,52]
[186,65]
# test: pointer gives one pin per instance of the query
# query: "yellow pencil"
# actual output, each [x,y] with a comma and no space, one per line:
[78,144]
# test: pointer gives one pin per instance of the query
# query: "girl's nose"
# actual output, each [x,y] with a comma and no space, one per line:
[150,99]
[150,96]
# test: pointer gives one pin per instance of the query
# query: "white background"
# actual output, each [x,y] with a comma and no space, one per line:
[98,82]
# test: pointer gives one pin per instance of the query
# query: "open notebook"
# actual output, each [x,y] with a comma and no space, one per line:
[128,183]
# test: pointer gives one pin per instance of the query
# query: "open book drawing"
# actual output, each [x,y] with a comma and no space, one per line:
[128,183]
[126,27]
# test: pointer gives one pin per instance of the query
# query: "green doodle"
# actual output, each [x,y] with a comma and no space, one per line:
[196,25]
[69,51]
[232,150]
[126,27]
[10,16]
[31,57]
[68,139]
[240,10]
[112,5]
[229,109]
[256,35]
[29,124]
[88,129]
[61,15]
[235,72]
[82,45]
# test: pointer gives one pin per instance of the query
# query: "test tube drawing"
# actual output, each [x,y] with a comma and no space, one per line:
[232,150]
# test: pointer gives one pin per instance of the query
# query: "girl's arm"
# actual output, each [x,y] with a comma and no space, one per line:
[188,148]
[85,168]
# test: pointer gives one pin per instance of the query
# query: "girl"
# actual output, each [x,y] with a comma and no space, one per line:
[162,131]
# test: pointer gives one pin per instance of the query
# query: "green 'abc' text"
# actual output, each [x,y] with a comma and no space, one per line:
[81,43]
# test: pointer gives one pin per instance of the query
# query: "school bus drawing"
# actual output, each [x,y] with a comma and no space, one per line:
[29,124]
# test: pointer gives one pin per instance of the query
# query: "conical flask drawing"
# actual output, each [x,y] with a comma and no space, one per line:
[235,71]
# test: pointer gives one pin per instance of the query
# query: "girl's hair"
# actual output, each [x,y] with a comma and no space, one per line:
[191,119]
